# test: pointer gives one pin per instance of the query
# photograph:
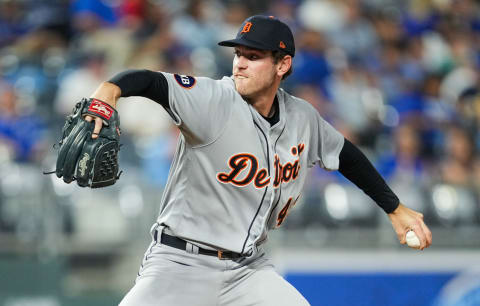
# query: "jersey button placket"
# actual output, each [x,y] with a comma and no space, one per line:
[270,194]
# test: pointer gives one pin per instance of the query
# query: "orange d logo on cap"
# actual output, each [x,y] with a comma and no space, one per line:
[246,27]
[263,33]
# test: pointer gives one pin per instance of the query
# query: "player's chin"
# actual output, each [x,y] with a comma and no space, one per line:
[242,89]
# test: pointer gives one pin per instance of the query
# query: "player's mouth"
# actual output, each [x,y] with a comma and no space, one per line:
[240,76]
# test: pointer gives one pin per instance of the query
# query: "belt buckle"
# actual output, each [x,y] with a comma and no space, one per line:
[220,255]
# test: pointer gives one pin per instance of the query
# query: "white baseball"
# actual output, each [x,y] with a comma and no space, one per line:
[412,240]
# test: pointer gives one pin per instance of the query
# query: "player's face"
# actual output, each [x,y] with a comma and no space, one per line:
[253,71]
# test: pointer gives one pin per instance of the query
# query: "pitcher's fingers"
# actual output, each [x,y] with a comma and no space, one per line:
[88,118]
[98,127]
[428,234]
[401,237]
[421,236]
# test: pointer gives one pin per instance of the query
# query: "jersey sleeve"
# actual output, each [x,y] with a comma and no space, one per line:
[200,107]
[326,144]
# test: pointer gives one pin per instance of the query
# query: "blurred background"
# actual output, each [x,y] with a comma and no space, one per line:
[398,78]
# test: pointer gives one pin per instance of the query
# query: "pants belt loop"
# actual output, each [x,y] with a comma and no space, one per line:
[156,232]
[154,227]
[191,248]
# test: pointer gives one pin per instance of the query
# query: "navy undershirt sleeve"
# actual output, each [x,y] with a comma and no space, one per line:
[143,83]
[355,166]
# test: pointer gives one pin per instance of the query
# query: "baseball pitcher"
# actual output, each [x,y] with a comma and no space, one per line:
[242,158]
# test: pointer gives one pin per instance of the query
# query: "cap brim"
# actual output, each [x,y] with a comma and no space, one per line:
[244,42]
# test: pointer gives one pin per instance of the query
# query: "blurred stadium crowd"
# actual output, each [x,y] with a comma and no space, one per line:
[398,78]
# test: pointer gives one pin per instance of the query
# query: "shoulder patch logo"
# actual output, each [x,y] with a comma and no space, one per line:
[185,81]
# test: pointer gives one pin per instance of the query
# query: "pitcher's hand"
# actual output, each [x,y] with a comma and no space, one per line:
[98,125]
[404,219]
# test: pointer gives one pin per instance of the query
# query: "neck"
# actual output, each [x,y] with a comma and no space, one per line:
[264,102]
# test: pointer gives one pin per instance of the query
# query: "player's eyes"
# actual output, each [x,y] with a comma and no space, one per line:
[251,57]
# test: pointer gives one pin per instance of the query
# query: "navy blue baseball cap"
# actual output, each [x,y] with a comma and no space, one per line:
[264,33]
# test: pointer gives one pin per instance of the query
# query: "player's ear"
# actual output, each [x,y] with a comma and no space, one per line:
[284,65]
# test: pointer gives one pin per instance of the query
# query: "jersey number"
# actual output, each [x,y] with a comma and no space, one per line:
[285,210]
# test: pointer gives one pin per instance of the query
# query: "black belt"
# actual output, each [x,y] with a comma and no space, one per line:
[181,244]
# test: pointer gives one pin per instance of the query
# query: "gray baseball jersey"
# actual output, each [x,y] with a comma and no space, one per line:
[234,177]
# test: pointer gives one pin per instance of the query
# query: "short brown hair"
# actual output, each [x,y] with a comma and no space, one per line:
[278,55]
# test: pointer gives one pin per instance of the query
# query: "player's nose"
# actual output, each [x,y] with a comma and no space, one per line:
[241,62]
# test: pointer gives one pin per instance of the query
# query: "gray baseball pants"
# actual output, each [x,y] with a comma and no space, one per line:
[169,276]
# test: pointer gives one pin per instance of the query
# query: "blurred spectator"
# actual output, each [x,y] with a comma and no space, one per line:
[235,13]
[156,156]
[12,23]
[356,36]
[437,111]
[323,16]
[388,70]
[404,168]
[356,98]
[132,12]
[456,82]
[285,10]
[48,16]
[420,17]
[476,174]
[456,167]
[153,39]
[144,17]
[316,97]
[310,65]
[22,132]
[96,29]
[438,115]
[80,82]
[468,106]
[404,164]
[89,14]
[412,68]
[198,27]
